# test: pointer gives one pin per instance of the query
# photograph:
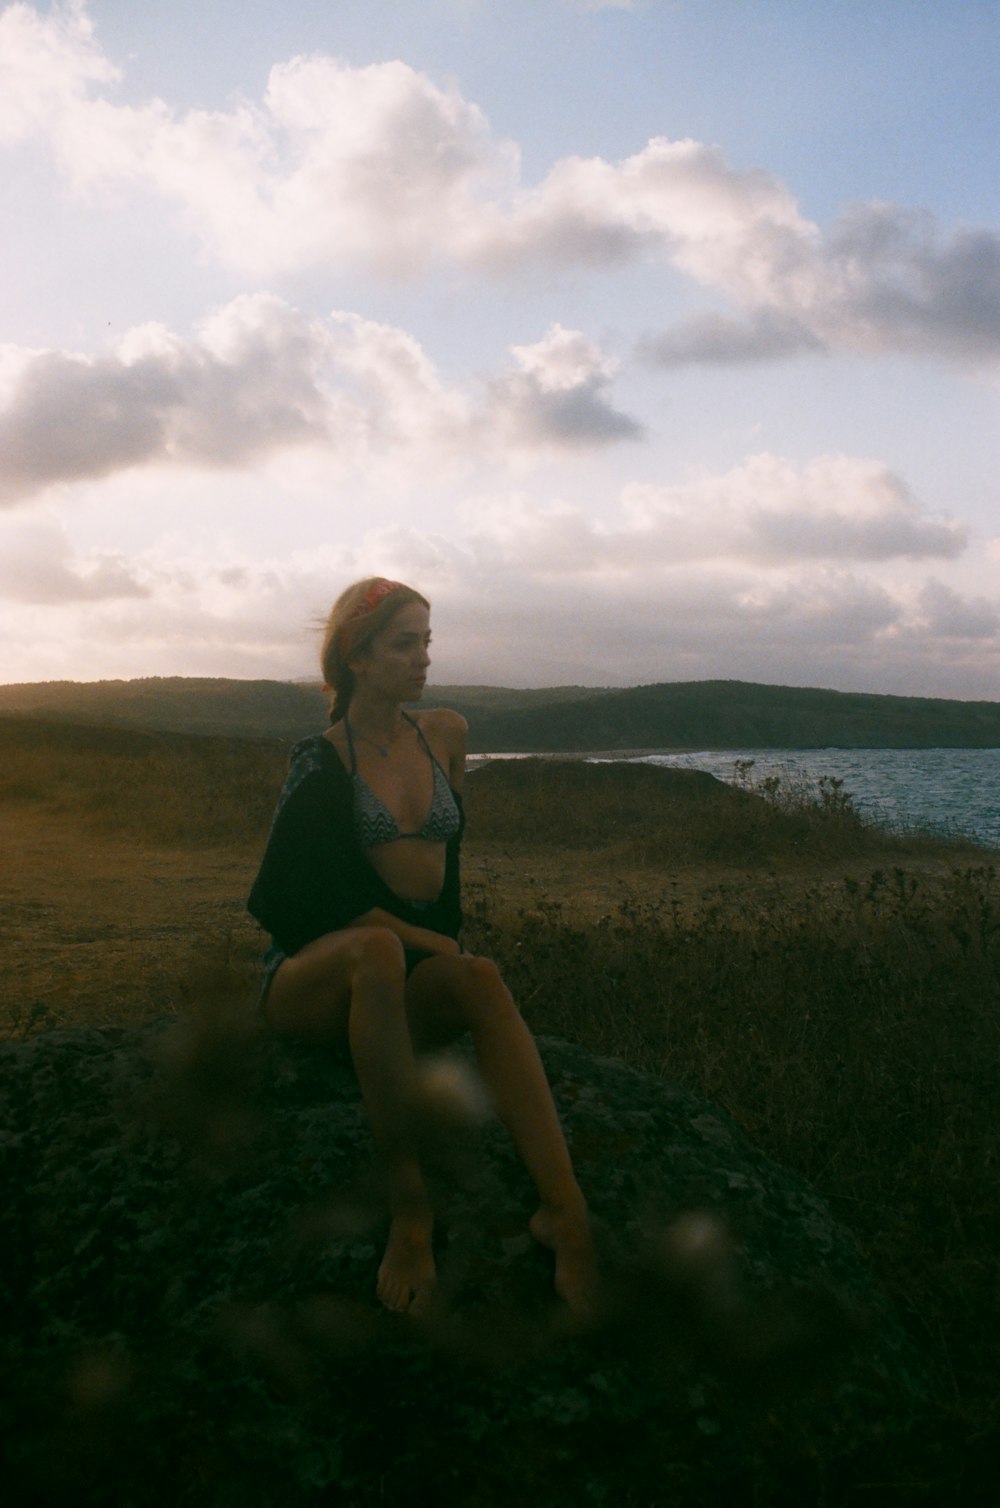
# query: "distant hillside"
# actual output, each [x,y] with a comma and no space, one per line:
[181,704]
[507,698]
[734,715]
[563,719]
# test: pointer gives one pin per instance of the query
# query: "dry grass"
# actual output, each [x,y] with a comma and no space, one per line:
[157,788]
[656,817]
[836,990]
[846,1013]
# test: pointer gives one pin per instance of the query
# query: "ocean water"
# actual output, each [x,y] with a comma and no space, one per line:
[953,791]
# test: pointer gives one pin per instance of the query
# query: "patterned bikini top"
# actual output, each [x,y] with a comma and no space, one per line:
[373,821]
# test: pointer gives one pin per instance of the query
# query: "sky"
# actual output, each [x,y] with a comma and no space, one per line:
[652,340]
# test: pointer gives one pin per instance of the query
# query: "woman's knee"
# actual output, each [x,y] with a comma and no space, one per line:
[334,961]
[377,952]
[481,972]
[482,988]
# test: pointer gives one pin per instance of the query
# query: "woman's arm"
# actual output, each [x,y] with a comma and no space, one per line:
[448,733]
[420,939]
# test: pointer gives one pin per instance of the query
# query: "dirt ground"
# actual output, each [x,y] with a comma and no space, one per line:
[95,929]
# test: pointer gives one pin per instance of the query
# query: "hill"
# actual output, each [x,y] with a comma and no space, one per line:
[176,704]
[561,719]
[733,715]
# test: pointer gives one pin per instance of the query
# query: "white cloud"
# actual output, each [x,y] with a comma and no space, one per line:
[47,64]
[248,383]
[259,377]
[557,393]
[761,530]
[710,338]
[510,609]
[397,388]
[523,594]
[38,565]
[683,197]
[381,166]
[947,615]
[379,170]
[883,278]
[767,513]
[369,167]
[771,511]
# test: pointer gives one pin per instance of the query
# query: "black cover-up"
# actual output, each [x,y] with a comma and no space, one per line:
[315,878]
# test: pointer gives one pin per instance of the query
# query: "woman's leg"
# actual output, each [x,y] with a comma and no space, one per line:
[450,995]
[350,984]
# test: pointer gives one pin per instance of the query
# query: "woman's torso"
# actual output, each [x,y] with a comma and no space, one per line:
[402,803]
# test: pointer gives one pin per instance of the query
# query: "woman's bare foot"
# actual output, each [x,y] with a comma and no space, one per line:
[406,1275]
[566,1233]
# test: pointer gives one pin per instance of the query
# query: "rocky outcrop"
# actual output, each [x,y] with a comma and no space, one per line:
[191,1230]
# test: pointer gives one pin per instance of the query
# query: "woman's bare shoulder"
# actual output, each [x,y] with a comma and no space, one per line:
[447,732]
[450,727]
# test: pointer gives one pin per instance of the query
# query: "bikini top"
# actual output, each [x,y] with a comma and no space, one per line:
[373,821]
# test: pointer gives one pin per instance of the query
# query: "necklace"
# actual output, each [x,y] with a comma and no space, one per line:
[382,749]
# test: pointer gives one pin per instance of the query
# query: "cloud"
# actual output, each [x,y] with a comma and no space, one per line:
[718,338]
[380,171]
[509,611]
[525,594]
[47,65]
[258,378]
[882,279]
[400,398]
[247,384]
[767,515]
[37,565]
[770,511]
[860,507]
[369,167]
[556,393]
[947,615]
[681,197]
[902,283]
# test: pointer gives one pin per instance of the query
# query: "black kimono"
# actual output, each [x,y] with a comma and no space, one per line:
[315,878]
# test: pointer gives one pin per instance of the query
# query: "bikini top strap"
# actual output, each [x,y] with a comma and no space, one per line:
[420,734]
[350,745]
[413,724]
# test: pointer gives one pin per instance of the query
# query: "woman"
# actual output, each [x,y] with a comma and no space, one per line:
[359,889]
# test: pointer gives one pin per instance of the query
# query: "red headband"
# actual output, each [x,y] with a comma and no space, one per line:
[376,594]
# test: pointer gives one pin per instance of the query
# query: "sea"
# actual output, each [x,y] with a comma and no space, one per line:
[955,792]
[952,792]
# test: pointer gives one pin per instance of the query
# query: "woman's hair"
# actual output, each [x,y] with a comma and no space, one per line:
[355,618]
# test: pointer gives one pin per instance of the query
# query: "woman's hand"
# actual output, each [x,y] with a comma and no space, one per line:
[418,939]
[434,942]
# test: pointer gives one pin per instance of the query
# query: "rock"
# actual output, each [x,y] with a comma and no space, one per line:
[191,1229]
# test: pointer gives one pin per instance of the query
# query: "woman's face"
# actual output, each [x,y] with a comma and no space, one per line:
[395,663]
